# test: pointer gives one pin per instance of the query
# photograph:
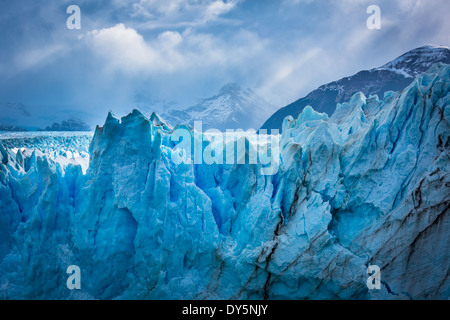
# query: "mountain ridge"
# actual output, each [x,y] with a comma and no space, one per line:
[231,108]
[394,75]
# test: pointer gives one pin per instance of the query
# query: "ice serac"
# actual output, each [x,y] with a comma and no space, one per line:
[366,186]
[141,219]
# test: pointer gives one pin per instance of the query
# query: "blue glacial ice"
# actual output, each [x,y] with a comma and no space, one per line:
[366,186]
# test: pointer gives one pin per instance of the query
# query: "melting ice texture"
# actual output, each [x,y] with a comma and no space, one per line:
[367,186]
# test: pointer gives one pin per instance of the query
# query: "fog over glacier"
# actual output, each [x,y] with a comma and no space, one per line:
[367,186]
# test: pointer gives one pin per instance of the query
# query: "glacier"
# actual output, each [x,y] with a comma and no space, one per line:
[367,186]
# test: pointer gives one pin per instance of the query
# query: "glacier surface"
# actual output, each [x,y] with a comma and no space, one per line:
[366,186]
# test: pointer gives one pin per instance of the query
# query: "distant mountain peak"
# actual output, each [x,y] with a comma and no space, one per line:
[435,46]
[415,62]
[71,124]
[392,76]
[231,87]
[231,108]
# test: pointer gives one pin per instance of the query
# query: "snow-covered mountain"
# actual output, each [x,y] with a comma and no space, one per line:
[393,76]
[417,61]
[368,186]
[231,108]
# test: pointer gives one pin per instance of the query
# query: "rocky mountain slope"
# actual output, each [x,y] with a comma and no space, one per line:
[232,108]
[393,76]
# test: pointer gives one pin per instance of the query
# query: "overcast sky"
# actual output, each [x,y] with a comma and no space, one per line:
[171,53]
